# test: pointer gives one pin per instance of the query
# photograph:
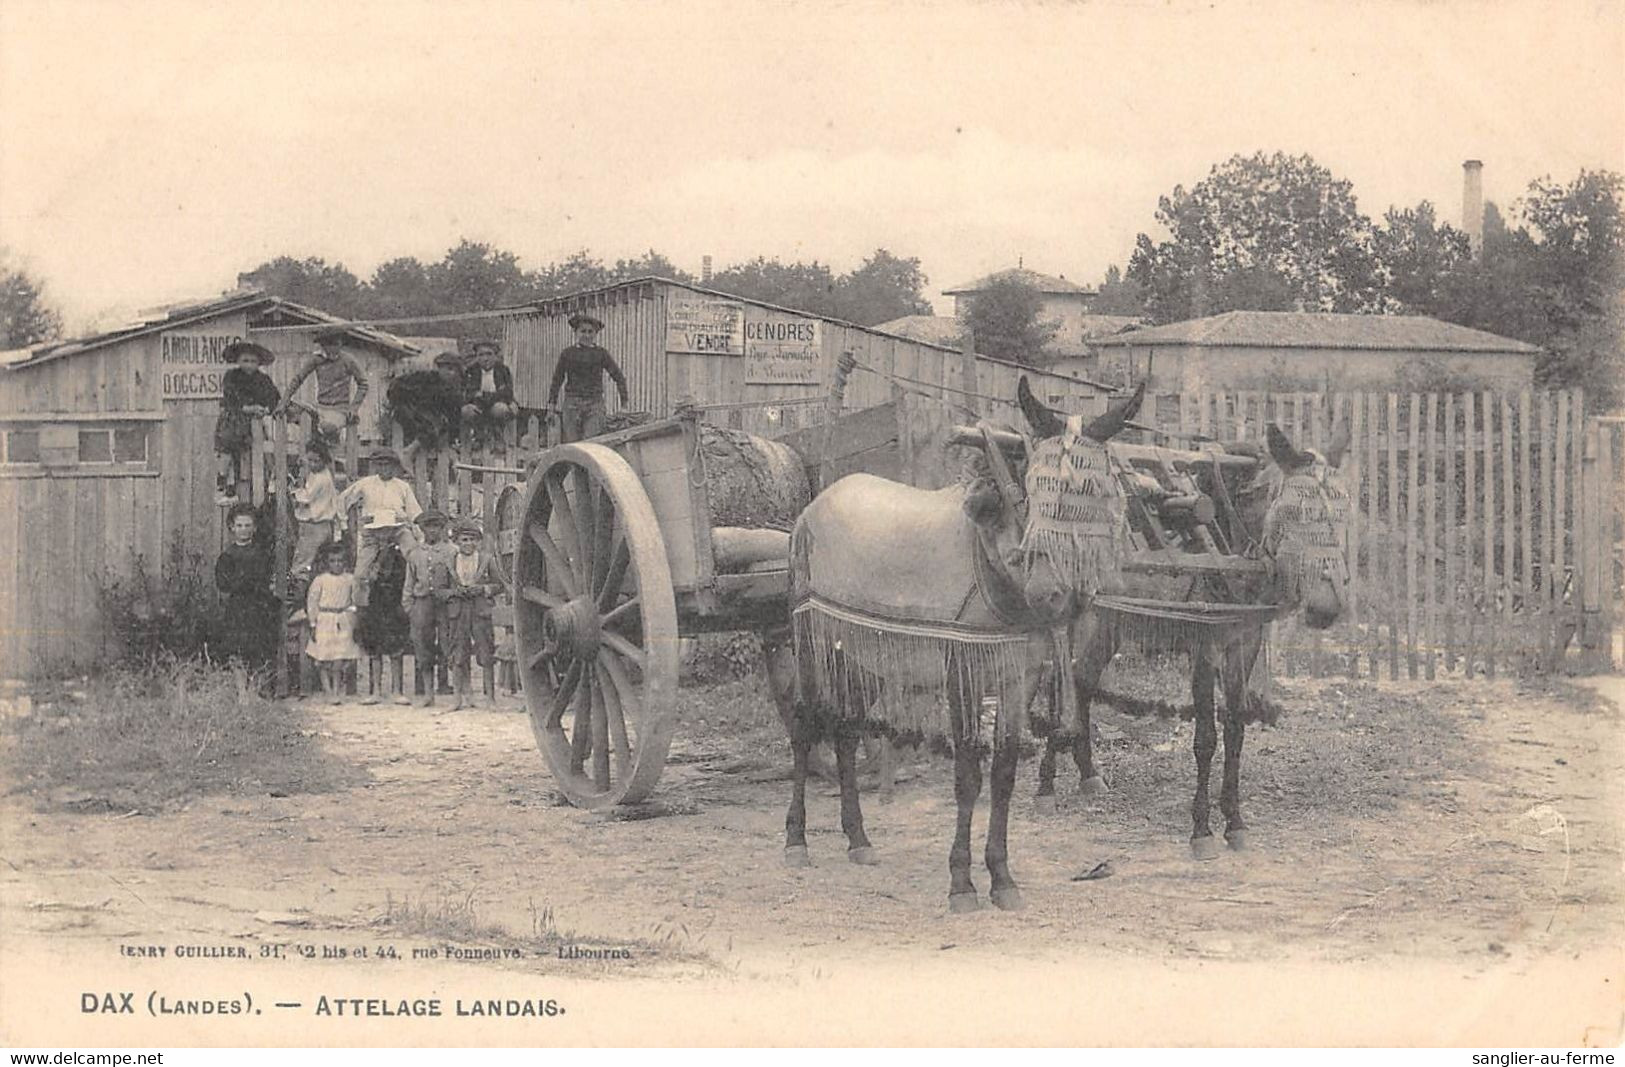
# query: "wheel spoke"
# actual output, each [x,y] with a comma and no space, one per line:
[582,511]
[619,613]
[569,532]
[541,596]
[603,541]
[600,733]
[623,647]
[555,556]
[616,576]
[581,726]
[561,699]
[616,693]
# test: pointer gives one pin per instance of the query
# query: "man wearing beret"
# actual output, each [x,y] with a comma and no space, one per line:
[336,408]
[580,372]
[488,401]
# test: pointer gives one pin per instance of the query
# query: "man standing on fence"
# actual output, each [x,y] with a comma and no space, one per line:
[580,372]
[336,408]
[388,508]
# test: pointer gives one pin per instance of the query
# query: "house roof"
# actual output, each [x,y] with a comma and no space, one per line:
[932,329]
[1106,325]
[1320,330]
[1044,283]
[171,316]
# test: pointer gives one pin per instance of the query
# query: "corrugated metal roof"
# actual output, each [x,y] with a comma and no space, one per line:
[1044,283]
[1320,330]
[172,316]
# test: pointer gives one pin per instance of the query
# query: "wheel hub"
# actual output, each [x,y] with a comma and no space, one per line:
[573,628]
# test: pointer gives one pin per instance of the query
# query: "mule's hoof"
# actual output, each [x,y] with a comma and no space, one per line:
[796,856]
[1094,786]
[1008,899]
[1045,805]
[960,903]
[863,855]
[1205,848]
[1237,839]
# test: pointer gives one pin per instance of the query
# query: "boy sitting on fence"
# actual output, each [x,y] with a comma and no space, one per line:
[246,392]
[466,591]
[488,403]
[336,408]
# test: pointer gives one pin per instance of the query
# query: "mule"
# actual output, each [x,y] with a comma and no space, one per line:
[904,601]
[1294,513]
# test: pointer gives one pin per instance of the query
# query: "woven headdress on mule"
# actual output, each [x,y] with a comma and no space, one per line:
[1076,512]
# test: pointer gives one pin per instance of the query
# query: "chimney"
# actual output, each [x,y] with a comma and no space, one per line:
[705,270]
[1472,203]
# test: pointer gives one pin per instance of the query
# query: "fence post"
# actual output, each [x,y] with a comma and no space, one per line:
[281,561]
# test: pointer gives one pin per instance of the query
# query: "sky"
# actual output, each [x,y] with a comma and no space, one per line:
[150,152]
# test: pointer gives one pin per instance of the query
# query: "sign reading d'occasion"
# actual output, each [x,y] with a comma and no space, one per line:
[783,351]
[710,327]
[192,366]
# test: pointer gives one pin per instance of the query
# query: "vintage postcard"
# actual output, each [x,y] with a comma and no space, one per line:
[926,524]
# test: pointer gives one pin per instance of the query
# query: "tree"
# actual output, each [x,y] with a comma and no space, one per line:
[882,288]
[477,277]
[1005,320]
[311,281]
[650,264]
[1119,295]
[802,286]
[400,288]
[1277,229]
[25,318]
[1417,256]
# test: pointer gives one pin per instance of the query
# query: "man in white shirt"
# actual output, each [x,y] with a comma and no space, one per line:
[388,507]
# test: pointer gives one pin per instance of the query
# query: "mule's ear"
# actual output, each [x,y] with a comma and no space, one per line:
[1043,420]
[1281,451]
[1105,427]
[1339,446]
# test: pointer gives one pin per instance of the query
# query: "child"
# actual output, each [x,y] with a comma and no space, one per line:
[315,508]
[382,629]
[330,610]
[388,506]
[248,630]
[336,406]
[488,403]
[426,568]
[246,392]
[580,373]
[466,590]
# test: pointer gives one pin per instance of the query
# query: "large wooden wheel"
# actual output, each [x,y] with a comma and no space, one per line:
[595,626]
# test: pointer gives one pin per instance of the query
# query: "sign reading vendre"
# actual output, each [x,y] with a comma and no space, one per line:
[706,326]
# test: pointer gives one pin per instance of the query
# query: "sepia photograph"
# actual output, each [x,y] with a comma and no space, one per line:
[791,524]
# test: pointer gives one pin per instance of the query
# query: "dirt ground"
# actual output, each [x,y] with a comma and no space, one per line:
[1465,826]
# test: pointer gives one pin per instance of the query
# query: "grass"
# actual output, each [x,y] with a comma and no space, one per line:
[145,738]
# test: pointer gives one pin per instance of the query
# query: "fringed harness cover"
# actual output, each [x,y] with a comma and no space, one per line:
[1306,530]
[1076,512]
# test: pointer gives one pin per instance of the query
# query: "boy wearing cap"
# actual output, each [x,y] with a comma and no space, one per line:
[469,584]
[336,408]
[427,568]
[246,392]
[388,505]
[488,392]
[580,371]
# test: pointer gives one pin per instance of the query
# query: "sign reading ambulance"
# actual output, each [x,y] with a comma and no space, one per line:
[709,327]
[783,351]
[192,365]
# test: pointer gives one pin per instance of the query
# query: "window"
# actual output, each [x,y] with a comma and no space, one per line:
[92,448]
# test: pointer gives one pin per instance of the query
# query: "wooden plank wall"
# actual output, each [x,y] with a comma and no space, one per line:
[1487,536]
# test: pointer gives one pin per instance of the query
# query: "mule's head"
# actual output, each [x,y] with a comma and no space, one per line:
[1298,507]
[1073,536]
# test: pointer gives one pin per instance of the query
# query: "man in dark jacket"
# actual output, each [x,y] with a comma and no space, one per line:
[580,372]
[488,403]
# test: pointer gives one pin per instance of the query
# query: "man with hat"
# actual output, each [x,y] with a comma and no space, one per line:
[336,408]
[246,392]
[466,591]
[388,506]
[488,392]
[428,568]
[580,371]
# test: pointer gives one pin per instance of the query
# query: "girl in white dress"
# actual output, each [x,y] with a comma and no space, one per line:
[330,609]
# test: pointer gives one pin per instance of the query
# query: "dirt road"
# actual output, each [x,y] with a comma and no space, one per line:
[1474,828]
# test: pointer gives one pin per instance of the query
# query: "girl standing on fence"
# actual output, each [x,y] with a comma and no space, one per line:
[330,610]
[246,392]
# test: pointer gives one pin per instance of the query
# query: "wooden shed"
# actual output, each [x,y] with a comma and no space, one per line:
[753,365]
[107,454]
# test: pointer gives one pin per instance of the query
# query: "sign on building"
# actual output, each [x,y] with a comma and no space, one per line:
[781,351]
[192,365]
[701,324]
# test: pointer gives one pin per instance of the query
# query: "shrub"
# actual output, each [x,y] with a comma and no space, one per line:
[150,616]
